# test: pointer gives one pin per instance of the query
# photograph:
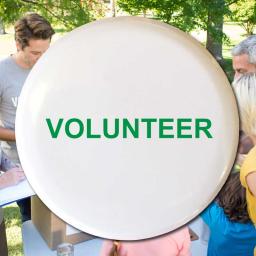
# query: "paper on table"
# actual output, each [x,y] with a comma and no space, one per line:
[15,193]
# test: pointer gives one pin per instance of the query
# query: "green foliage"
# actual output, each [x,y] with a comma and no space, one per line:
[67,13]
[209,15]
[244,12]
[136,7]
[186,15]
[10,10]
[228,69]
[178,13]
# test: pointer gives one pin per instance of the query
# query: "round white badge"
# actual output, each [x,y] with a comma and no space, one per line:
[127,128]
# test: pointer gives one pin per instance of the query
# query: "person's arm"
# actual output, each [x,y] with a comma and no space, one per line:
[212,215]
[251,182]
[11,177]
[7,134]
[6,163]
[206,215]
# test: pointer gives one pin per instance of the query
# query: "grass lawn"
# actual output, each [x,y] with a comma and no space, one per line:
[13,230]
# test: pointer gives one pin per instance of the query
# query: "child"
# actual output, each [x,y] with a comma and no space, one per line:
[176,243]
[231,230]
[245,91]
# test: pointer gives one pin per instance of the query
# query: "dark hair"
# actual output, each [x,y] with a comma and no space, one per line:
[32,26]
[232,198]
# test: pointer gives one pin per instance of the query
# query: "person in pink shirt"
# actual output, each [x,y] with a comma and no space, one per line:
[176,243]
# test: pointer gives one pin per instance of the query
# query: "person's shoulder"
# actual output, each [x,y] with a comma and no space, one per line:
[213,207]
[6,68]
[5,60]
[5,63]
[212,213]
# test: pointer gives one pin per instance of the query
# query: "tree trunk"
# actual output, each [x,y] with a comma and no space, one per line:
[2,28]
[113,6]
[215,30]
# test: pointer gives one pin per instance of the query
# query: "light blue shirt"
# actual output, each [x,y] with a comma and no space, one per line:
[12,78]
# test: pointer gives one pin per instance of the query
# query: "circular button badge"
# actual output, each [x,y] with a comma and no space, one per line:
[127,128]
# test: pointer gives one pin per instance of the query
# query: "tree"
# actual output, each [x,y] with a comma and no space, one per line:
[177,13]
[2,27]
[188,15]
[209,16]
[245,14]
[68,13]
[11,10]
[113,8]
[136,7]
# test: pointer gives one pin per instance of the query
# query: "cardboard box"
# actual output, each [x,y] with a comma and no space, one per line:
[54,230]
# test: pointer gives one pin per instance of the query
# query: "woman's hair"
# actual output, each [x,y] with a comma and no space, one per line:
[232,198]
[245,91]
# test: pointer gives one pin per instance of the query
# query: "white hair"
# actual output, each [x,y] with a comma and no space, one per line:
[245,91]
[247,46]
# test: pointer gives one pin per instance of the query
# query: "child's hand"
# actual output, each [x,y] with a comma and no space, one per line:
[12,177]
